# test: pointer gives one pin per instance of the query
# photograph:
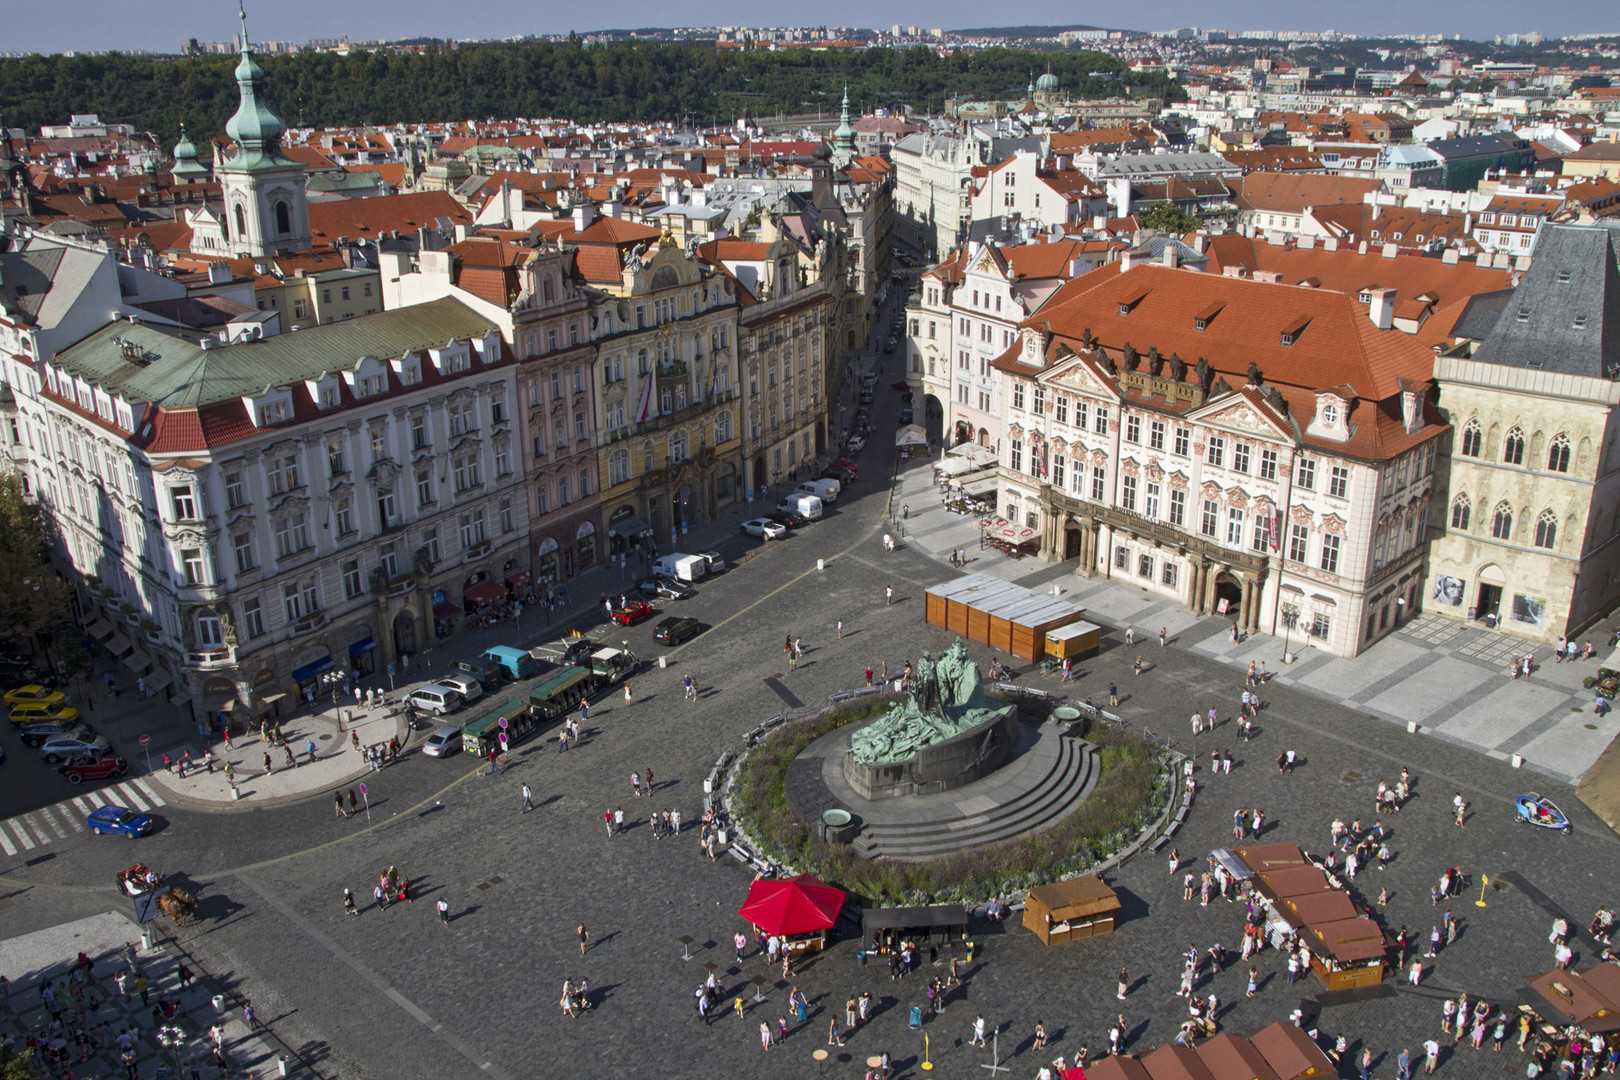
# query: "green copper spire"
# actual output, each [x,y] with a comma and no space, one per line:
[255,129]
[186,165]
[844,136]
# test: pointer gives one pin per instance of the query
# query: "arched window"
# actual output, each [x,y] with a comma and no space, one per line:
[677,446]
[1547,530]
[241,222]
[545,290]
[1460,511]
[1472,439]
[1558,454]
[647,456]
[1513,447]
[283,220]
[1502,522]
[619,467]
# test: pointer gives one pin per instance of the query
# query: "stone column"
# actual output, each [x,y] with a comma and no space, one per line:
[1195,599]
[1246,601]
[1211,573]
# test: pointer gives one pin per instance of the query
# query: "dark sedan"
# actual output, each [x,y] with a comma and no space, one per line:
[660,588]
[676,629]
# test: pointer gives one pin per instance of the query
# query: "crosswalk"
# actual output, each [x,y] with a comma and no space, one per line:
[50,824]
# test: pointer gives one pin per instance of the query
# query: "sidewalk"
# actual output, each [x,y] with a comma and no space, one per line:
[1449,678]
[48,955]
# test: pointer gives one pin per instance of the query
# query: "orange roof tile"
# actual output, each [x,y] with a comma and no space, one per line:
[367,218]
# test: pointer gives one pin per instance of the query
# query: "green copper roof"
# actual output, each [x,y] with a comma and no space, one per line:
[254,128]
[185,157]
[178,374]
[844,135]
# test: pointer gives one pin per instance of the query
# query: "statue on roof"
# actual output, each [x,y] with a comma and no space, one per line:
[1155,361]
[1178,368]
[1254,373]
[1203,370]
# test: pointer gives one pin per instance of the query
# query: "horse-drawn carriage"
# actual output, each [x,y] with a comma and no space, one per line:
[152,897]
[178,904]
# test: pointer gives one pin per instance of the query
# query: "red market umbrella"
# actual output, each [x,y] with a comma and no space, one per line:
[793,906]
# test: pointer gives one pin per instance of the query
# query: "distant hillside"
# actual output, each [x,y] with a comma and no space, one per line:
[1023,31]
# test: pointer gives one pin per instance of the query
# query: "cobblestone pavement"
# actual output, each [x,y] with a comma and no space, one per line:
[397,993]
[1449,677]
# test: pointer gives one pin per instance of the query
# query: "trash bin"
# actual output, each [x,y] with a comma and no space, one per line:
[860,957]
[916,1017]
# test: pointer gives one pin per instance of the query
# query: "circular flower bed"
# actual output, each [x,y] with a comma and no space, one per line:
[1129,795]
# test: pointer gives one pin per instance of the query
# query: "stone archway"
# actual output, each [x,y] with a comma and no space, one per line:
[404,634]
[1229,588]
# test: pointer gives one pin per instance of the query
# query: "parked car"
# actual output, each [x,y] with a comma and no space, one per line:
[663,588]
[34,694]
[118,820]
[443,742]
[856,444]
[765,527]
[788,519]
[676,629]
[716,561]
[39,714]
[487,671]
[435,698]
[67,747]
[905,417]
[468,687]
[578,652]
[14,671]
[632,612]
[38,733]
[88,767]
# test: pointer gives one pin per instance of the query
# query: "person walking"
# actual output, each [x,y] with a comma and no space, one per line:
[528,803]
[444,912]
[629,699]
[1138,666]
[1113,696]
[584,936]
[337,799]
[840,629]
[1403,1065]
[888,595]
[978,1032]
[1124,983]
[1431,1056]
[349,907]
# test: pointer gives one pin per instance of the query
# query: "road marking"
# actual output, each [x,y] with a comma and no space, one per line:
[133,796]
[151,792]
[22,834]
[84,805]
[39,833]
[6,844]
[50,819]
[66,808]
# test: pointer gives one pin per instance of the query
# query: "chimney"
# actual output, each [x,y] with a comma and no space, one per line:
[1077,266]
[1330,244]
[1382,308]
[1271,277]
[1362,247]
[1132,259]
[584,214]
[1233,271]
[1201,243]
[219,273]
[1448,257]
[1391,250]
[1307,242]
[1171,256]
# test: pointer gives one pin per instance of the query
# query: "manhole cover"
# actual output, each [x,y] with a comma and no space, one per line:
[326,737]
[1589,727]
[489,883]
[1324,804]
[1350,777]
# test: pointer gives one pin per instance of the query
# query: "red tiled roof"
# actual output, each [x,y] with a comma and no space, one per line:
[366,218]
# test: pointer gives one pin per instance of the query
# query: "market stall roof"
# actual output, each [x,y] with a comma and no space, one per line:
[486,592]
[1230,1057]
[1572,999]
[1291,1053]
[954,466]
[1263,857]
[1007,600]
[1348,940]
[1172,1061]
[1605,979]
[911,435]
[800,904]
[1317,908]
[1293,881]
[981,487]
[1117,1067]
[98,628]
[1077,898]
[1232,864]
[979,455]
[912,918]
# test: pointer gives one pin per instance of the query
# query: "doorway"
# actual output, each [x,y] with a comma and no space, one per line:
[1228,596]
[1071,544]
[1488,605]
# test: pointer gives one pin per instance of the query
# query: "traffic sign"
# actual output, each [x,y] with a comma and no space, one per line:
[145,740]
[390,669]
[363,790]
[503,723]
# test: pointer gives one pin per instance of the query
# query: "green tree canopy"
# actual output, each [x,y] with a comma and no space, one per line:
[33,600]
[1169,218]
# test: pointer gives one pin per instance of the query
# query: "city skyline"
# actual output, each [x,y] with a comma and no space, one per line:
[98,25]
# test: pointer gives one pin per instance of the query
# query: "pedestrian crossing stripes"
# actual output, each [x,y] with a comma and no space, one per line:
[49,824]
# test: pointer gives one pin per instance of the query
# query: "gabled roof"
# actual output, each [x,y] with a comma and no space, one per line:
[1564,316]
[1292,193]
[367,218]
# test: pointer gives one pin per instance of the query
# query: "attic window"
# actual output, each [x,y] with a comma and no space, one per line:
[1291,335]
[1418,238]
[1375,234]
[1564,276]
[1524,315]
[1125,306]
[1202,320]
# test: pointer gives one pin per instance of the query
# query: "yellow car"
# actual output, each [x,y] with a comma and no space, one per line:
[34,694]
[35,714]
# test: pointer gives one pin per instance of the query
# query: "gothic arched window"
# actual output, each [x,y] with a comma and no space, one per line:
[1472,439]
[1558,454]
[1547,530]
[1502,522]
[1460,510]
[1513,447]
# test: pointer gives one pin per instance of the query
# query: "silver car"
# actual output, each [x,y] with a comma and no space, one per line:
[67,747]
[443,742]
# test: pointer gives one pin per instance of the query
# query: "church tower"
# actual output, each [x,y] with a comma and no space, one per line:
[265,212]
[844,135]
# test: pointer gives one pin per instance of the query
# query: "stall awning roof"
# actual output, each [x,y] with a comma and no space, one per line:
[1573,999]
[911,435]
[1317,908]
[486,592]
[518,579]
[954,466]
[912,918]
[1349,940]
[800,904]
[1229,860]
[1293,881]
[1272,856]
[310,670]
[1231,1057]
[158,680]
[138,661]
[1291,1053]
[1076,898]
[1115,1067]
[1172,1061]
[628,527]
[98,628]
[118,645]
[979,455]
[981,487]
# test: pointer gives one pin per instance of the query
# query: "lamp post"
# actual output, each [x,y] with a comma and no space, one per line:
[332,680]
[172,1037]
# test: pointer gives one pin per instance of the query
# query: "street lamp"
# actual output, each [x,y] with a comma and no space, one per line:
[172,1037]
[332,680]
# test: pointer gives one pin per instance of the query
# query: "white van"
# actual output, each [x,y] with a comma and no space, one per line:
[825,490]
[681,567]
[435,698]
[806,506]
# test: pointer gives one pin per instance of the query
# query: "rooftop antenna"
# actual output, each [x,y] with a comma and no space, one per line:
[241,9]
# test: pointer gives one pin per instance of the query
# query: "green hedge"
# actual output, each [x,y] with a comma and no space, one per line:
[1128,796]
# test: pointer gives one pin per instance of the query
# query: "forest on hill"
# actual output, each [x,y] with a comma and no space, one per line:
[635,81]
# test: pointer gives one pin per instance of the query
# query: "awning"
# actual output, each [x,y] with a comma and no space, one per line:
[518,580]
[446,610]
[627,527]
[911,435]
[158,680]
[1232,864]
[98,628]
[222,702]
[981,487]
[118,645]
[308,672]
[484,593]
[138,662]
[363,646]
[270,699]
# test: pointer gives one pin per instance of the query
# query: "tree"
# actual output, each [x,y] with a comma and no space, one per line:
[15,1066]
[33,599]
[1169,218]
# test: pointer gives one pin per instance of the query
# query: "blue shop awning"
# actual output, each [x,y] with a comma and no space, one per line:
[309,671]
[360,648]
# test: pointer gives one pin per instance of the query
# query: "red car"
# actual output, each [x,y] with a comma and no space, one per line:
[845,463]
[81,769]
[633,612]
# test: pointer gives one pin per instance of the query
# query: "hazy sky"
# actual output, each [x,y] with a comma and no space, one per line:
[59,25]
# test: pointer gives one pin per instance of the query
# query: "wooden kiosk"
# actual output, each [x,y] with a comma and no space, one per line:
[1081,907]
[997,613]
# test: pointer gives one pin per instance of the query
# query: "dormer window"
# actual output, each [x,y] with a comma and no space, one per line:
[1564,276]
[1291,334]
[1125,306]
[1488,218]
[1330,414]
[1202,320]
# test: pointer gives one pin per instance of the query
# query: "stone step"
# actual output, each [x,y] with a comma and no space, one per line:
[1068,779]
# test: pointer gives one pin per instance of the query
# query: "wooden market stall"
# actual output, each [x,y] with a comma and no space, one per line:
[997,613]
[1348,953]
[1291,881]
[1291,1053]
[1076,641]
[1232,1057]
[1263,857]
[1348,949]
[1068,910]
[936,924]
[1117,1067]
[1316,908]
[1575,998]
[1173,1061]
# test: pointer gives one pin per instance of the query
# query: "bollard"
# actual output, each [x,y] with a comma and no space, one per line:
[219,1003]
[1411,727]
[281,1065]
[1518,761]
[663,661]
[146,941]
[821,564]
[236,792]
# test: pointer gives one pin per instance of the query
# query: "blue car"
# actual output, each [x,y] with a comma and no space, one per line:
[118,819]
